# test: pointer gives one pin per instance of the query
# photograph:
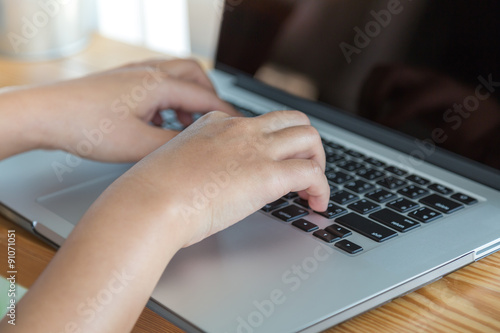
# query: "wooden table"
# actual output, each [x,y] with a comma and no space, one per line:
[465,301]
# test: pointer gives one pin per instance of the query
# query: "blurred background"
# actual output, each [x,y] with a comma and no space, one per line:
[177,27]
[50,29]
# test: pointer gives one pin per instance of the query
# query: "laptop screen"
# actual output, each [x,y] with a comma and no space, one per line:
[430,69]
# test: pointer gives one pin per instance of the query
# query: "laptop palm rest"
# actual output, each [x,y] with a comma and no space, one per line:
[71,203]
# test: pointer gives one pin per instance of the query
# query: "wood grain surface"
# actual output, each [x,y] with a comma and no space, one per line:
[467,300]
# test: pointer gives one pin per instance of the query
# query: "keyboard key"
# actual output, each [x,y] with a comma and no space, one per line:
[403,205]
[305,225]
[332,144]
[375,162]
[337,230]
[339,177]
[417,179]
[364,206]
[326,236]
[440,188]
[370,174]
[413,192]
[302,202]
[425,214]
[349,165]
[394,220]
[441,203]
[392,183]
[380,195]
[464,198]
[290,213]
[290,195]
[333,211]
[396,171]
[333,188]
[275,205]
[359,186]
[343,197]
[348,246]
[354,153]
[332,158]
[366,227]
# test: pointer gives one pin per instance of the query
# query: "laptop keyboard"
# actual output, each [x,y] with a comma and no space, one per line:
[368,197]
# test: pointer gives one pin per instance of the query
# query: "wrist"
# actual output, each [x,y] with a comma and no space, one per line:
[20,129]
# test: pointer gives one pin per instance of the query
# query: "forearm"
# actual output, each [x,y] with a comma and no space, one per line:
[102,277]
[20,127]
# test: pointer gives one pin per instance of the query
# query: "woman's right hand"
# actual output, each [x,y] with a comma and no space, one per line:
[221,169]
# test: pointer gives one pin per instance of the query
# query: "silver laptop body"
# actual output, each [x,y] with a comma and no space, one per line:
[264,274]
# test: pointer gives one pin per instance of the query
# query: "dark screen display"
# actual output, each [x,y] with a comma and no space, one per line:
[428,68]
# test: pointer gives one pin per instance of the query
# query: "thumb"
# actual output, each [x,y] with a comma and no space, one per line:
[143,139]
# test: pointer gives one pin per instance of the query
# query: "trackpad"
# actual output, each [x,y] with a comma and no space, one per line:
[71,203]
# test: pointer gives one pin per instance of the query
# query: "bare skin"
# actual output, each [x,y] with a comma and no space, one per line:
[138,224]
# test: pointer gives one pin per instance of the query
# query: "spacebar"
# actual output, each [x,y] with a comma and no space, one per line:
[366,227]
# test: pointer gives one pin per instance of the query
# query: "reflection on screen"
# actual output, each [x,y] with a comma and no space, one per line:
[427,68]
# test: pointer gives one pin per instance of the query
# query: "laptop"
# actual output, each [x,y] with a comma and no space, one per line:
[405,95]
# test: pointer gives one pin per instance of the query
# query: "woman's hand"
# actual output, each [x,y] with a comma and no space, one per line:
[105,116]
[210,176]
[223,168]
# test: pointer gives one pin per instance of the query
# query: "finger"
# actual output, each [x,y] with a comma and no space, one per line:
[189,97]
[185,69]
[277,120]
[302,175]
[184,118]
[298,142]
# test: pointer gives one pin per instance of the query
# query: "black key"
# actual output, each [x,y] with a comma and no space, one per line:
[375,162]
[302,202]
[464,198]
[440,188]
[339,177]
[332,158]
[333,145]
[359,186]
[370,174]
[425,214]
[290,195]
[380,195]
[354,153]
[332,211]
[413,192]
[343,197]
[337,230]
[290,213]
[348,246]
[326,236]
[417,179]
[441,203]
[363,206]
[391,182]
[305,225]
[333,188]
[366,227]
[396,171]
[394,220]
[329,150]
[275,205]
[403,205]
[349,165]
